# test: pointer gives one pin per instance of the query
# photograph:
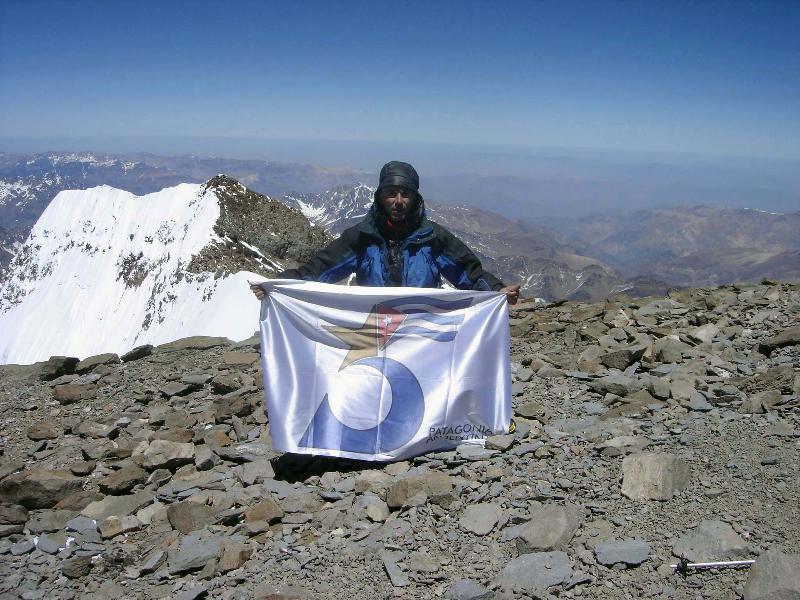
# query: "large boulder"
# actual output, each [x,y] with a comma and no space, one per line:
[123,480]
[624,357]
[653,476]
[89,363]
[70,393]
[188,516]
[711,541]
[57,366]
[616,383]
[38,488]
[774,576]
[788,337]
[551,528]
[137,353]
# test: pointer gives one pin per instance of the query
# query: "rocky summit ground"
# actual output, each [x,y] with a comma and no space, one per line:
[647,430]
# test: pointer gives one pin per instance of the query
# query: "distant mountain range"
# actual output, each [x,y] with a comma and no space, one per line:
[694,246]
[640,253]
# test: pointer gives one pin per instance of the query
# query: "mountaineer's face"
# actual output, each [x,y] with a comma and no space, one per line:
[397,202]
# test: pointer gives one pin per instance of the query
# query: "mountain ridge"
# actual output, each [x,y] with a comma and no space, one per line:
[106,266]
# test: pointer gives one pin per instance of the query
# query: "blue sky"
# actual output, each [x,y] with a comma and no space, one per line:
[704,77]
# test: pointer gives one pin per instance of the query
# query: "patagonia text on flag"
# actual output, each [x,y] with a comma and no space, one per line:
[383,373]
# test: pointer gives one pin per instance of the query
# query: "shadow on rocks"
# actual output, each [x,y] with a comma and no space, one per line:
[299,467]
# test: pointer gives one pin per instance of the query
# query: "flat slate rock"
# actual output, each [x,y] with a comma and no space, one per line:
[196,342]
[193,552]
[90,362]
[118,506]
[711,541]
[480,519]
[628,552]
[551,528]
[534,572]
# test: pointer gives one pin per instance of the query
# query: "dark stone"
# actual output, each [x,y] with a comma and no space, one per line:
[176,388]
[621,359]
[137,353]
[57,366]
[224,384]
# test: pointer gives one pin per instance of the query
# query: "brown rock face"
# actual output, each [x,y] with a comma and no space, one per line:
[163,454]
[189,516]
[122,481]
[789,337]
[240,358]
[12,514]
[654,476]
[234,555]
[87,364]
[774,576]
[436,486]
[38,488]
[69,393]
[43,431]
[76,566]
[268,511]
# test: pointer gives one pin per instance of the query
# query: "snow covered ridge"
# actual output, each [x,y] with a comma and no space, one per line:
[104,269]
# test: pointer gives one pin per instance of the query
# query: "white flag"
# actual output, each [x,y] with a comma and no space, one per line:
[383,373]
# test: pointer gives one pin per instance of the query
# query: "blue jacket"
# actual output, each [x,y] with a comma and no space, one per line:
[429,252]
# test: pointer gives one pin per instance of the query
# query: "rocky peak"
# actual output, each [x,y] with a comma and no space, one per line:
[254,231]
[143,269]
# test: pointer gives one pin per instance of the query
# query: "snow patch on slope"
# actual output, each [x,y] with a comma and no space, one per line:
[104,270]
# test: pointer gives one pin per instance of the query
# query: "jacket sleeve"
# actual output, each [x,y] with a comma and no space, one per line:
[331,264]
[461,267]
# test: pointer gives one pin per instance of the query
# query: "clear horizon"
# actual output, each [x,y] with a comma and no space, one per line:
[715,78]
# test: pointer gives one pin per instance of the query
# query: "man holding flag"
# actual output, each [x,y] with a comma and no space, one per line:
[396,246]
[383,374]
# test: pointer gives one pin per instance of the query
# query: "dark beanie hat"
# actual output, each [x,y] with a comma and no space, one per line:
[400,174]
